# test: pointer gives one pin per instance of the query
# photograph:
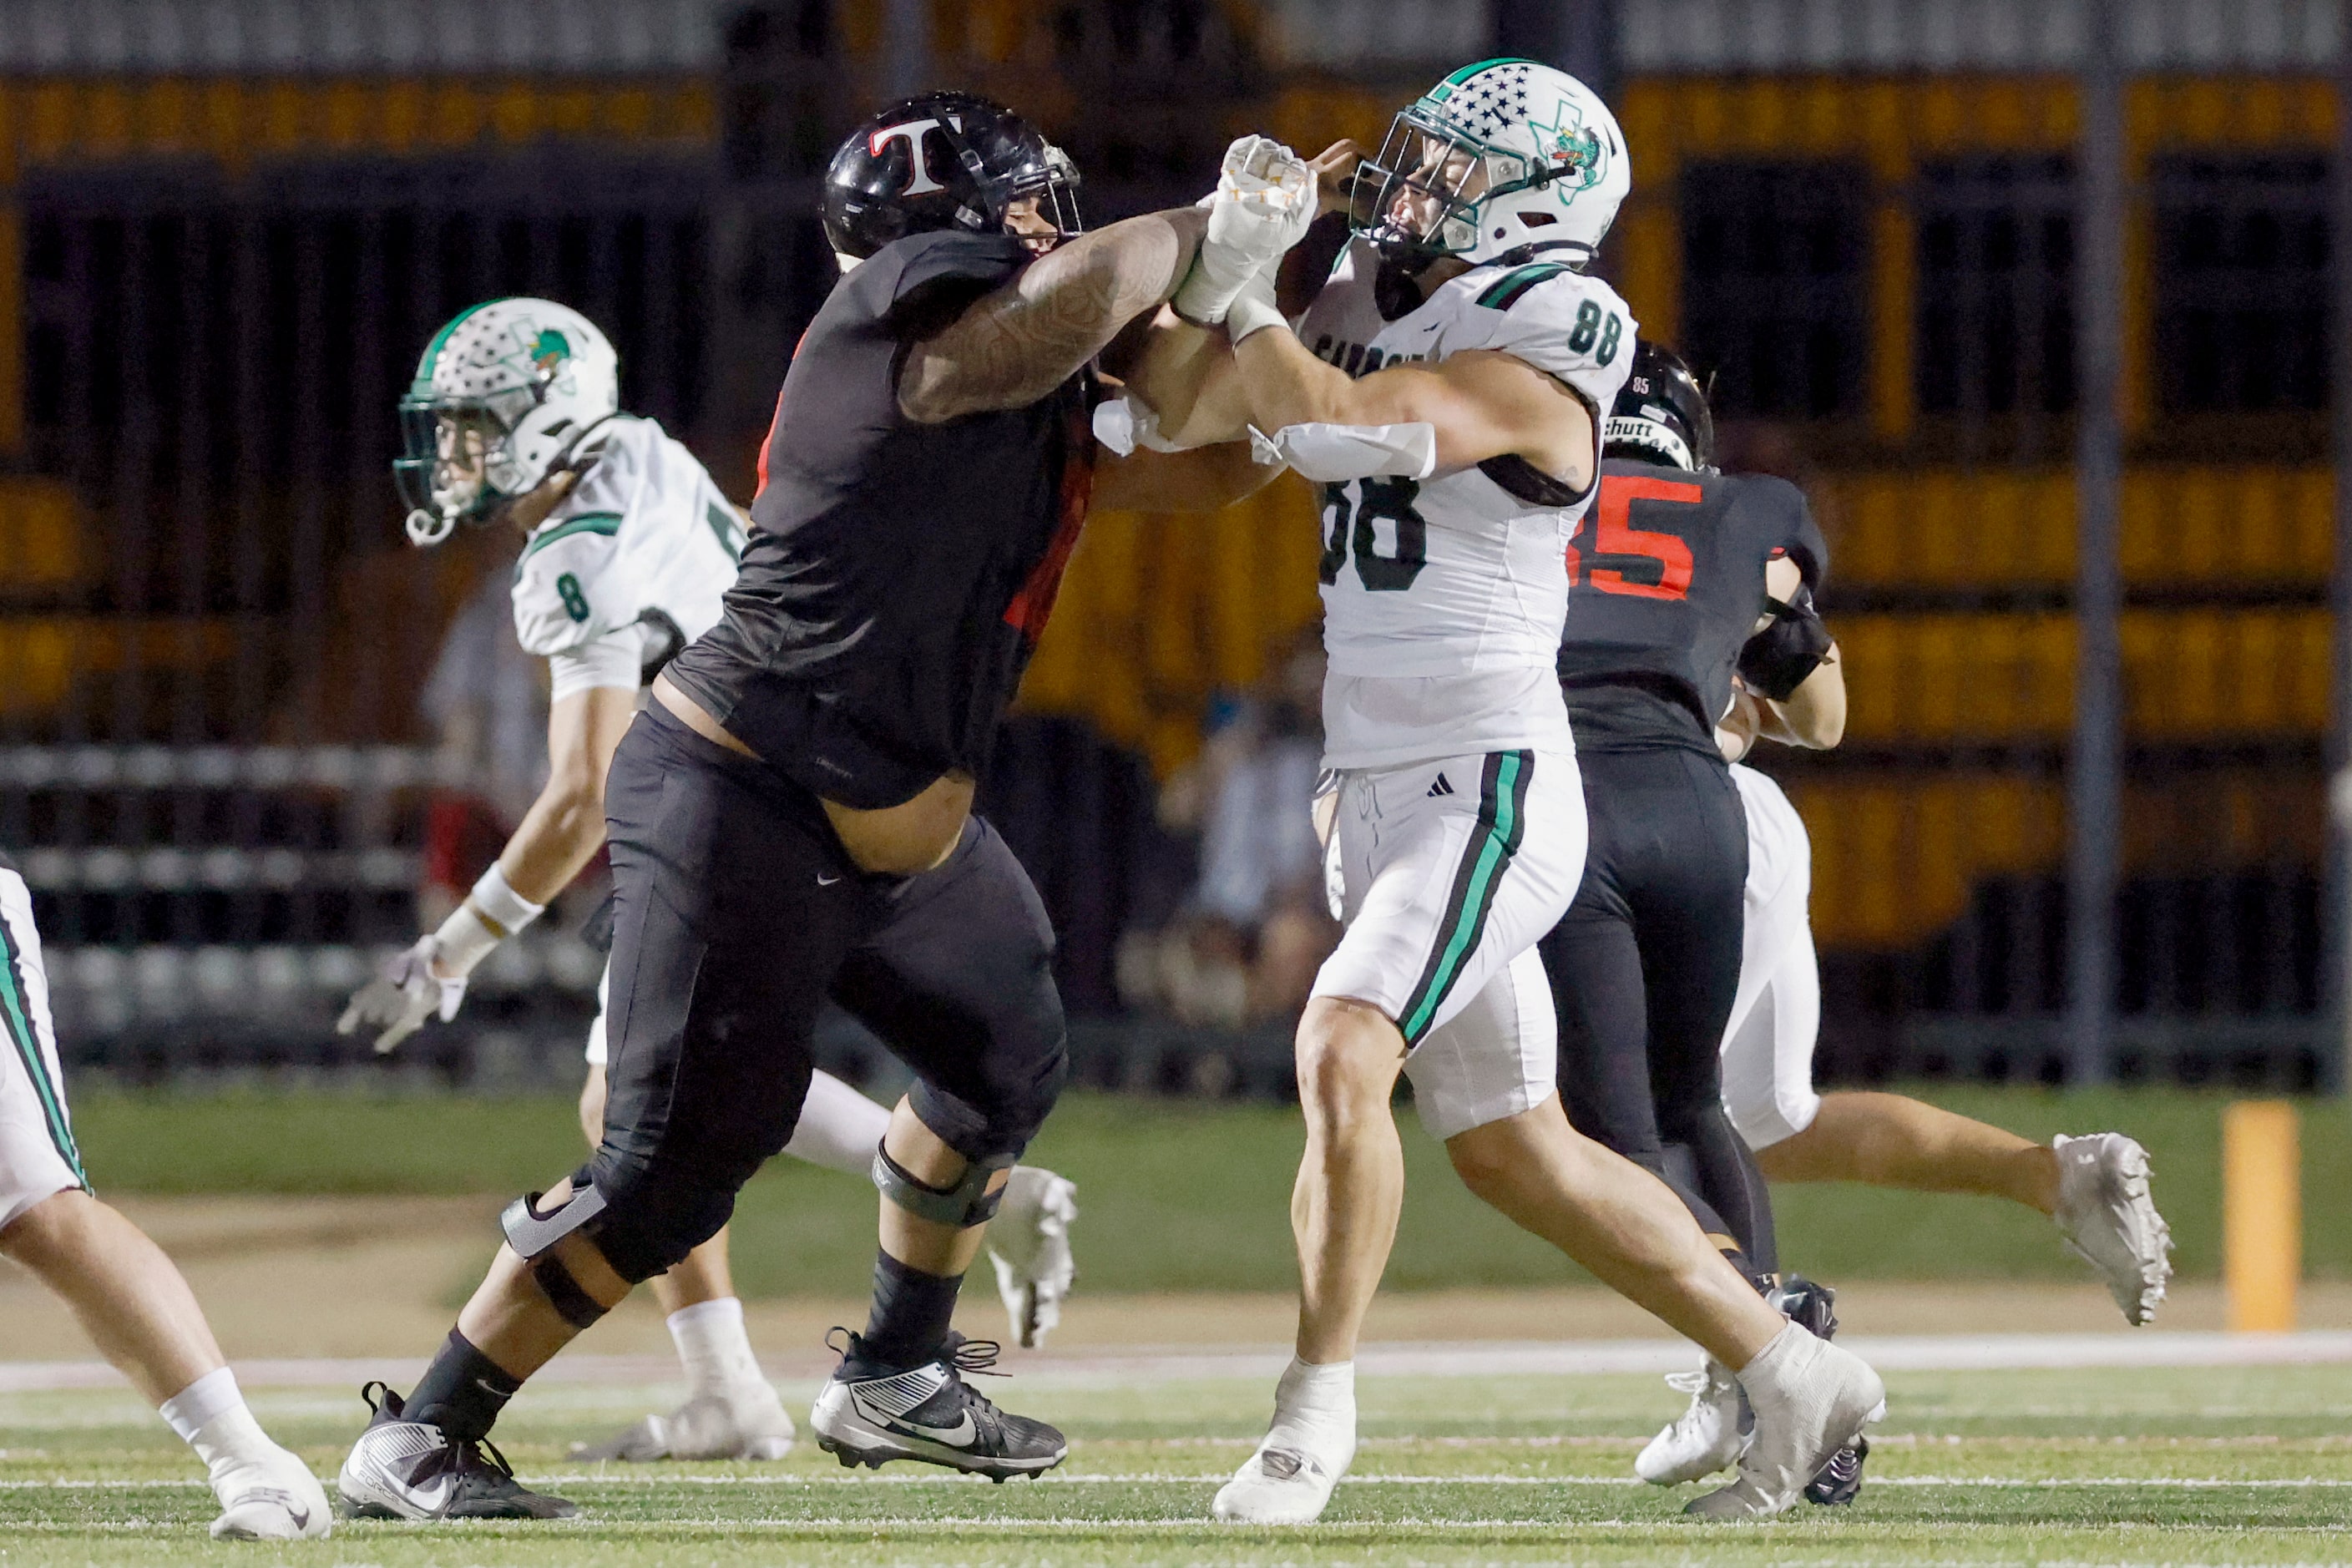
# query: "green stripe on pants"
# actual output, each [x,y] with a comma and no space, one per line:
[16,1016]
[1502,812]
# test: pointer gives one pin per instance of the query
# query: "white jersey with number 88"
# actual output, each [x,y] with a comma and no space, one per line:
[1444,597]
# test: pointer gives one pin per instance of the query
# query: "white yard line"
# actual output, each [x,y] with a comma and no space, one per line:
[1472,1359]
[1153,1478]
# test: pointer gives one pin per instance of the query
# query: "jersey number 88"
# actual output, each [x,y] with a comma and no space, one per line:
[1347,520]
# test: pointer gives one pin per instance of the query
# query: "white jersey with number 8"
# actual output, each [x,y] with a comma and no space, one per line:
[630,565]
[1444,597]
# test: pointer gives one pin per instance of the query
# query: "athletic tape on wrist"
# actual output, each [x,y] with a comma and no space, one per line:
[1249,314]
[464,940]
[506,910]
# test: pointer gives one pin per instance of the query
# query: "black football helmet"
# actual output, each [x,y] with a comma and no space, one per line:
[946,160]
[1661,414]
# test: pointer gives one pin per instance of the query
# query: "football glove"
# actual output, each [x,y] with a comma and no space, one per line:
[398,1001]
[1264,203]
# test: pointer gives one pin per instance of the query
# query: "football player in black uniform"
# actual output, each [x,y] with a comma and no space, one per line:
[1688,586]
[790,818]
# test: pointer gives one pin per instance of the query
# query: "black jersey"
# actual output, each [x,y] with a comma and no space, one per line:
[1666,581]
[897,574]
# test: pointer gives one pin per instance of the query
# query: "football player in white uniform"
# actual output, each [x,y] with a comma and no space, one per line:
[1456,430]
[2094,1187]
[628,546]
[121,1289]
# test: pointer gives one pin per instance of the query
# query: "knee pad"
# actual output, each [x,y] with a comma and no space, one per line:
[531,1232]
[967,1204]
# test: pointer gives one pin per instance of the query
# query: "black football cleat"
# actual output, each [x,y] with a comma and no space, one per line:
[870,1414]
[410,1469]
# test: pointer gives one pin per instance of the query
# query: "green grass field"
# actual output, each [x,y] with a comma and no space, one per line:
[2201,1467]
[1180,1195]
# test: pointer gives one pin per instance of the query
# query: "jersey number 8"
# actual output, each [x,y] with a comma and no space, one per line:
[1344,517]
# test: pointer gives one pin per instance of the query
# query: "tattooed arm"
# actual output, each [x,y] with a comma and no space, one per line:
[1015,346]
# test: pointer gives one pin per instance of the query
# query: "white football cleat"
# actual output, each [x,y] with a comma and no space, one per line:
[276,1500]
[1288,1481]
[1709,1436]
[745,1423]
[1810,1399]
[2109,1219]
[1029,1242]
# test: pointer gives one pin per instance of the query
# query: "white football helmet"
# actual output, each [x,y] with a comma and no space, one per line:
[1502,156]
[503,392]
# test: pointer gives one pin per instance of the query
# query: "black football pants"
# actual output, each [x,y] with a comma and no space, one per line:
[735,914]
[1644,967]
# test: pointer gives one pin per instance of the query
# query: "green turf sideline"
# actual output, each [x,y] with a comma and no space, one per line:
[2185,1467]
[1185,1195]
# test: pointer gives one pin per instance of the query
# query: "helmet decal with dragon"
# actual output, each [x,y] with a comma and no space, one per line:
[502,393]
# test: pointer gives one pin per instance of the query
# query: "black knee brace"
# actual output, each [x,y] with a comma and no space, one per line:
[963,1205]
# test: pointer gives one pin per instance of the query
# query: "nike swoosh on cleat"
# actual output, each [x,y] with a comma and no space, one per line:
[435,1502]
[962,1432]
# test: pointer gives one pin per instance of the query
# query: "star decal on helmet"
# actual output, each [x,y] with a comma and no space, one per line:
[1488,102]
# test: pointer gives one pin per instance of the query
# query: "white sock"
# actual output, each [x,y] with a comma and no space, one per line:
[1317,1401]
[188,1411]
[712,1344]
[232,1441]
[1769,1370]
[839,1128]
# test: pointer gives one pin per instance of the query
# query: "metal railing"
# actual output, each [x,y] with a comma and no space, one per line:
[1903,238]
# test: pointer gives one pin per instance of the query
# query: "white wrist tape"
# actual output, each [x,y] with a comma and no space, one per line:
[464,940]
[1252,311]
[506,910]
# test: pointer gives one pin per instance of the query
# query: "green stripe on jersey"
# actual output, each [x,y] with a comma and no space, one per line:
[605,522]
[1507,290]
[728,527]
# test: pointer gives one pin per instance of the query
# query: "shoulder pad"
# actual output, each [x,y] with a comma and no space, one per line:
[1562,322]
[1787,524]
[924,274]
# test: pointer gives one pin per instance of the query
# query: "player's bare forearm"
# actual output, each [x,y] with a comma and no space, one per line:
[1479,404]
[559,832]
[1200,480]
[1814,714]
[1184,373]
[1015,346]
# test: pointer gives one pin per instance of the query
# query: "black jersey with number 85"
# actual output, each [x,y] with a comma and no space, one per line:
[1665,583]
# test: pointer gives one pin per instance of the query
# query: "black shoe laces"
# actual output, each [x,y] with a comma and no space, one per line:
[977,1356]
